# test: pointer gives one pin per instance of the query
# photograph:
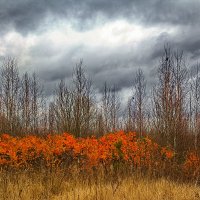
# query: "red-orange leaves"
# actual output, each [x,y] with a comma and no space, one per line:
[192,164]
[64,150]
[167,153]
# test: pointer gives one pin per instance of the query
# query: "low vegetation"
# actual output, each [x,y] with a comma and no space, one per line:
[116,166]
[62,185]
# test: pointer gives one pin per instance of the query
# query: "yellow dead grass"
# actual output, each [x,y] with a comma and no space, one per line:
[39,186]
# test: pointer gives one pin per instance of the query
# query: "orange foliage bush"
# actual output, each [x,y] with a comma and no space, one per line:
[64,150]
[191,165]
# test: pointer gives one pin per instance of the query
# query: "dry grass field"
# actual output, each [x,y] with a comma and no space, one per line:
[61,186]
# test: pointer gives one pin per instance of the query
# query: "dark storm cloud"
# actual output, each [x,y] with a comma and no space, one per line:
[28,15]
[185,39]
[117,66]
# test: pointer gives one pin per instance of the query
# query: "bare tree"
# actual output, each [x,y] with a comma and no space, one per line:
[84,110]
[180,75]
[169,99]
[115,107]
[110,108]
[62,109]
[140,101]
[106,107]
[195,103]
[37,104]
[130,115]
[25,102]
[51,118]
[75,108]
[10,84]
[99,128]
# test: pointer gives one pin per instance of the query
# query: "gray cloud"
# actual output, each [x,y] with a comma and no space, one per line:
[29,15]
[116,66]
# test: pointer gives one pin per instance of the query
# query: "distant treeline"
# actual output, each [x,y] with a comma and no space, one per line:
[170,112]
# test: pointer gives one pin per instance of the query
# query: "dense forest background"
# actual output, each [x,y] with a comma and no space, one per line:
[169,111]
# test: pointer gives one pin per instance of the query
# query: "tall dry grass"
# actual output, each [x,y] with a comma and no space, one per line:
[73,185]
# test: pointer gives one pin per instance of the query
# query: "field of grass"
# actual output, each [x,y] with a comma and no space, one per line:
[61,186]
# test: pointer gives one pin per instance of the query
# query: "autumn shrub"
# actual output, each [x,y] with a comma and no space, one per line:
[115,150]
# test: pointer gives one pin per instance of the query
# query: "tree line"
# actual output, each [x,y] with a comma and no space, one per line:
[169,112]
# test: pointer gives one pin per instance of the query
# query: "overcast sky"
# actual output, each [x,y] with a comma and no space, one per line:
[113,37]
